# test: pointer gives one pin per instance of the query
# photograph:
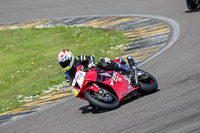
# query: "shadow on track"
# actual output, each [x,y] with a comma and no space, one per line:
[138,96]
[194,10]
[89,109]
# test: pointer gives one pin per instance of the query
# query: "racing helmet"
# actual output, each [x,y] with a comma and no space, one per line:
[66,59]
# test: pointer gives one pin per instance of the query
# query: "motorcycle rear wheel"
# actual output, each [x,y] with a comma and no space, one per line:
[148,85]
[100,103]
[192,4]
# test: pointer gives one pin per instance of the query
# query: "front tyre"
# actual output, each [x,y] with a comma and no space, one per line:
[109,101]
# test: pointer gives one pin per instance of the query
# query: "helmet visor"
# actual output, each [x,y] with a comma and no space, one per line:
[65,63]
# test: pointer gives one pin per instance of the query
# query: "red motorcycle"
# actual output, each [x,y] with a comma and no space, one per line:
[107,89]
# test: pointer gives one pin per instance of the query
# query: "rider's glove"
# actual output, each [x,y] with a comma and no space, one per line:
[91,64]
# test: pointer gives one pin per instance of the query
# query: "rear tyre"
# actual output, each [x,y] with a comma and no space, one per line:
[148,84]
[109,102]
[192,4]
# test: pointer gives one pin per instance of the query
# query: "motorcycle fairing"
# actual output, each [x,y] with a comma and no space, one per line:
[103,75]
[121,86]
[79,78]
[112,79]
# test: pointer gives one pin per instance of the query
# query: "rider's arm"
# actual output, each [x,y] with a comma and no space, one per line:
[85,60]
[108,64]
[68,79]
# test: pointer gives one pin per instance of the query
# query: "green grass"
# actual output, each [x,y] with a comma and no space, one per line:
[28,57]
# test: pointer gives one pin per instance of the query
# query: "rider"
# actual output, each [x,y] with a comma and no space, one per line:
[69,63]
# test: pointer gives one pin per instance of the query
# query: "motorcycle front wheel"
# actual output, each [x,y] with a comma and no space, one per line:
[107,101]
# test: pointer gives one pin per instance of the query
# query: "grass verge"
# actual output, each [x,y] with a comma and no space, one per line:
[28,58]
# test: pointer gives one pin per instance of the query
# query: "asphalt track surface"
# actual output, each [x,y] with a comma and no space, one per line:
[174,109]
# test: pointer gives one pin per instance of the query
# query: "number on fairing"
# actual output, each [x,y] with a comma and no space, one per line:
[80,78]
